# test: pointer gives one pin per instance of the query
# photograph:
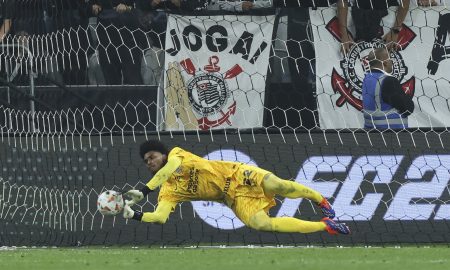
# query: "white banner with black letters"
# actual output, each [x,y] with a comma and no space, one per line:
[339,79]
[215,71]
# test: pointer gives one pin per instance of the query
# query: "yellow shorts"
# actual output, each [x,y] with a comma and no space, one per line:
[246,207]
[249,197]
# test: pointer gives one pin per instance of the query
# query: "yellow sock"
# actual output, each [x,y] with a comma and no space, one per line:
[296,190]
[289,224]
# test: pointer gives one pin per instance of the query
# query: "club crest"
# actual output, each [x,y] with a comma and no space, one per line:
[209,94]
[355,65]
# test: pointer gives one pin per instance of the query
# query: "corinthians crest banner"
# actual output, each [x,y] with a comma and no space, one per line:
[421,65]
[215,71]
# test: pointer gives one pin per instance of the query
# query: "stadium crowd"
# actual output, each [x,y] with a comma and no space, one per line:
[129,45]
[122,42]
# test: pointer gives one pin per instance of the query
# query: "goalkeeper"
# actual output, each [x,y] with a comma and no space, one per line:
[249,191]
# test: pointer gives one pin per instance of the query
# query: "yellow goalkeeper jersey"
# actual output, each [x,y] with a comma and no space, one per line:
[210,180]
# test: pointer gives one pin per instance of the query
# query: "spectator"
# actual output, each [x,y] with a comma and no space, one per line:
[427,3]
[69,15]
[292,72]
[23,20]
[7,15]
[385,104]
[367,15]
[65,14]
[301,61]
[191,5]
[28,17]
[6,21]
[120,54]
[239,6]
[21,17]
[160,4]
[153,21]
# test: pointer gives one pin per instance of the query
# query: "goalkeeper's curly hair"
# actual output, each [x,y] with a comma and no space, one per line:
[153,145]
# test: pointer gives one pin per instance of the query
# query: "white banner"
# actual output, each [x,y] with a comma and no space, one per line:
[216,69]
[339,80]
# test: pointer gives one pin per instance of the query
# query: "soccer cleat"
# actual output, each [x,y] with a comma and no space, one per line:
[326,208]
[334,227]
[128,212]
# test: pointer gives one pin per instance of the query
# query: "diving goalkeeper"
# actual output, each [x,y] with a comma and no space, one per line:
[249,191]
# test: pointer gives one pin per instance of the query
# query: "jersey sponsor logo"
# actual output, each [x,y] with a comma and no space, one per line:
[355,65]
[248,181]
[193,180]
[227,186]
[179,170]
[387,187]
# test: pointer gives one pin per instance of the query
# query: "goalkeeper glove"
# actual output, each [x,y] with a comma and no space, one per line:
[130,213]
[136,195]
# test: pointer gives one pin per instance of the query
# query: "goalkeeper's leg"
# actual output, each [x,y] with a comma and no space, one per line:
[262,222]
[273,185]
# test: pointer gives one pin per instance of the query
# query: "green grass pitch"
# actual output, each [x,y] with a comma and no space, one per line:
[226,258]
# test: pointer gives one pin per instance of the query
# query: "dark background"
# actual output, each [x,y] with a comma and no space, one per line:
[50,189]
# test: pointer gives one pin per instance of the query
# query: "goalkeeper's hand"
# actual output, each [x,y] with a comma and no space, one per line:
[135,195]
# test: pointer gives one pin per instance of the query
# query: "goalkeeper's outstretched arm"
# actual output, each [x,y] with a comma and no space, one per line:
[160,215]
[164,173]
[158,179]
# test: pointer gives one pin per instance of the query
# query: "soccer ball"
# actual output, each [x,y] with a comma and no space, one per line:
[110,203]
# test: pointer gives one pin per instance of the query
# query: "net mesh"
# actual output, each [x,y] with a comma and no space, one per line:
[48,197]
[70,143]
